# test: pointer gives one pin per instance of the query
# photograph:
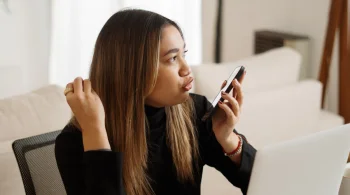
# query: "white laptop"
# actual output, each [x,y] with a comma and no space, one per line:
[310,165]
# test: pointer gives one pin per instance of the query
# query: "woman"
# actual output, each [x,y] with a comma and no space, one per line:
[136,128]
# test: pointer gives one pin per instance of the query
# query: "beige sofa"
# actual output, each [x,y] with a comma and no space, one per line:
[277,107]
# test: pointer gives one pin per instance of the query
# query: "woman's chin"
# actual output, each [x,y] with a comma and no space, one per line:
[179,99]
[185,97]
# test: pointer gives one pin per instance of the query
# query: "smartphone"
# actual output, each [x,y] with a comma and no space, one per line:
[236,74]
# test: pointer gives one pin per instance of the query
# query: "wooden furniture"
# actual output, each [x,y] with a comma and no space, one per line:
[265,39]
[338,19]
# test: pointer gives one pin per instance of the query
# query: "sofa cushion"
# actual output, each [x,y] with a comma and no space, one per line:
[281,114]
[269,70]
[33,113]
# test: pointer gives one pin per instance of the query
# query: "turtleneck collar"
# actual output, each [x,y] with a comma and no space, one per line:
[155,116]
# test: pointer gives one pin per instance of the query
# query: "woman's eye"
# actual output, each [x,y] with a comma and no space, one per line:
[172,59]
[184,55]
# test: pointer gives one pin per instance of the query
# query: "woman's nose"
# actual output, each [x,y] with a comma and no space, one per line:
[186,70]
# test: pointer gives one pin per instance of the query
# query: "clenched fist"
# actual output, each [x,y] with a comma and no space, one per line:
[89,112]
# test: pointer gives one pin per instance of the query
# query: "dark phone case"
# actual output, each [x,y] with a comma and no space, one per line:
[228,90]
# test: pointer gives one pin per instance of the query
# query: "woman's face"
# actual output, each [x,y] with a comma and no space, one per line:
[174,75]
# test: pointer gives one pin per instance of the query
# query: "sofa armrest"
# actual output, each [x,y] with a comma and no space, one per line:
[328,120]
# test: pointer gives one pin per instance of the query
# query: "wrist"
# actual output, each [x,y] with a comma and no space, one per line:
[95,140]
[230,143]
[94,131]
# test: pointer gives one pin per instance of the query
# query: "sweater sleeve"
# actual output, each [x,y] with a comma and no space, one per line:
[212,153]
[90,172]
[238,176]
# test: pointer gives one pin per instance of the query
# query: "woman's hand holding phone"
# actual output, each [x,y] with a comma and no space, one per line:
[227,116]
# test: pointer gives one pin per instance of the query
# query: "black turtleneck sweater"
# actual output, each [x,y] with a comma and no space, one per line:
[99,172]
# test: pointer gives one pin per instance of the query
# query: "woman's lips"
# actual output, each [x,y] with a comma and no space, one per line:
[188,85]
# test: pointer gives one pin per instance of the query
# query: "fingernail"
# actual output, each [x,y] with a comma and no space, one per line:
[223,93]
[236,81]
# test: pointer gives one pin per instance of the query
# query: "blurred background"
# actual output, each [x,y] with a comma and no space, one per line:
[291,49]
[51,41]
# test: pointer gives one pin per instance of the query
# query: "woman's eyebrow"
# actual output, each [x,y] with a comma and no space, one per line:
[174,50]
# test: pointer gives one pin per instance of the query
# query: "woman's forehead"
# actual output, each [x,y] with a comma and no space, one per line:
[171,38]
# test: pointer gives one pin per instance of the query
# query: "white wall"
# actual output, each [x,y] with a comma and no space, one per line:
[24,45]
[242,18]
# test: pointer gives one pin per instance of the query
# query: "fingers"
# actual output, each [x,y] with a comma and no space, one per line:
[87,86]
[78,85]
[233,102]
[69,85]
[229,114]
[238,92]
[242,77]
[223,84]
[234,91]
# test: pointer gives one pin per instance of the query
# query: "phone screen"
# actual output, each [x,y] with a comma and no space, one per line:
[229,81]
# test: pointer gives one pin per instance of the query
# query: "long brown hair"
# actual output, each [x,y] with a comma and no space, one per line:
[123,73]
